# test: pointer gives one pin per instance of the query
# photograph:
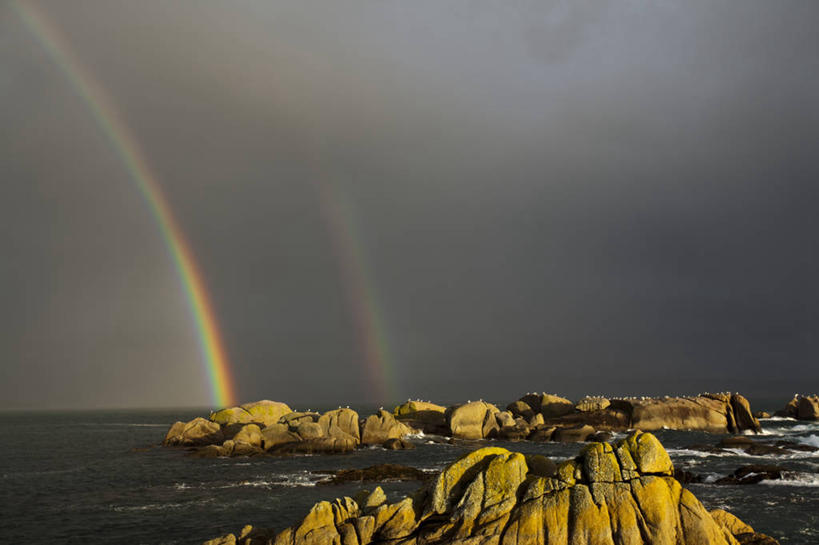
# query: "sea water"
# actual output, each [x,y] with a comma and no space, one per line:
[101,477]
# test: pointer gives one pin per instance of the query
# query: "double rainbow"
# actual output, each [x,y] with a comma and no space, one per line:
[336,214]
[110,123]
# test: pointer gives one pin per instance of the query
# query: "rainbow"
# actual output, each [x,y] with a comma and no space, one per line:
[360,292]
[125,145]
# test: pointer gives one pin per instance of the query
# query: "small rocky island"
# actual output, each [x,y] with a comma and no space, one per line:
[611,494]
[272,427]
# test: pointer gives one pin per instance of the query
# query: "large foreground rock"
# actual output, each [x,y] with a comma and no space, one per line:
[612,494]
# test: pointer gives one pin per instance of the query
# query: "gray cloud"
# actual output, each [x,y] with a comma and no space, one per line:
[578,197]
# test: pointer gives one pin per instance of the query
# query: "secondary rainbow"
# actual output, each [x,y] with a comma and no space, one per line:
[360,291]
[125,145]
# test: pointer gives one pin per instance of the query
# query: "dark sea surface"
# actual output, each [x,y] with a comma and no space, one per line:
[100,477]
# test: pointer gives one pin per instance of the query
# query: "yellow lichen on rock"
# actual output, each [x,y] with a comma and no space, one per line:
[648,454]
[730,522]
[474,420]
[231,415]
[411,407]
[450,477]
[318,527]
[266,412]
[250,434]
[618,494]
[600,463]
[588,522]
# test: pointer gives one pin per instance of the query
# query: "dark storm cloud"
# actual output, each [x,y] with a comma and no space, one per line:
[579,197]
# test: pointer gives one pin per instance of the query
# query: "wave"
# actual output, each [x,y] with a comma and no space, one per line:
[778,419]
[159,506]
[739,453]
[125,424]
[794,478]
[704,454]
[805,427]
[288,480]
[812,440]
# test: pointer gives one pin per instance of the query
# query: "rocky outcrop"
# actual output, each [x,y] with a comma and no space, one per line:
[230,432]
[743,533]
[263,412]
[474,420]
[753,474]
[716,413]
[808,408]
[537,417]
[802,407]
[380,427]
[588,404]
[611,494]
[423,415]
[196,432]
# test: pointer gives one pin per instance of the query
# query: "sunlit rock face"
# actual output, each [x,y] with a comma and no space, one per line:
[621,493]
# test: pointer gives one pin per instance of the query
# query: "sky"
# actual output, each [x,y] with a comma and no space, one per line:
[575,197]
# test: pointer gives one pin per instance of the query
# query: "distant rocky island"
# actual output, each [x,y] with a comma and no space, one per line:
[271,427]
[611,494]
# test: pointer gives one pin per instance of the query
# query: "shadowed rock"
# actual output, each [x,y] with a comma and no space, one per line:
[801,407]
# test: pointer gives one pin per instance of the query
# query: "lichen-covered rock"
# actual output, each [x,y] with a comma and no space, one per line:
[380,427]
[521,408]
[423,415]
[572,434]
[321,445]
[231,415]
[680,413]
[277,434]
[346,420]
[612,494]
[308,430]
[412,408]
[194,433]
[266,412]
[474,420]
[730,522]
[592,403]
[294,419]
[549,405]
[250,434]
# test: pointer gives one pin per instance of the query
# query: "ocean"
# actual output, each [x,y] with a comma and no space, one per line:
[101,477]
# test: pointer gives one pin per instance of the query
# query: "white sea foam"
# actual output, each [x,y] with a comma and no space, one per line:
[805,427]
[812,440]
[696,453]
[159,506]
[777,419]
[289,480]
[793,478]
[711,478]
